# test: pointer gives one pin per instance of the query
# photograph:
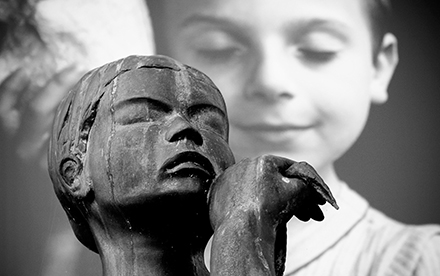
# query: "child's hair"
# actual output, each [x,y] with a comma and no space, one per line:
[379,13]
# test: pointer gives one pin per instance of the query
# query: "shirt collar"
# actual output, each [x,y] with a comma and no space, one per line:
[308,240]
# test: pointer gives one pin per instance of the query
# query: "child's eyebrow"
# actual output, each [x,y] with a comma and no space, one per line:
[237,29]
[210,19]
[302,27]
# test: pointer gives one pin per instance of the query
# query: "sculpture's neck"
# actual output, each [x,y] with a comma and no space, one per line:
[135,256]
[166,237]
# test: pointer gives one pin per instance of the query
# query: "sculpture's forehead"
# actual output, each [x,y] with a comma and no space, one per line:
[175,87]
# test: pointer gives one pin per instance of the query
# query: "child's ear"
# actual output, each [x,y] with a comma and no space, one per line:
[386,62]
[74,179]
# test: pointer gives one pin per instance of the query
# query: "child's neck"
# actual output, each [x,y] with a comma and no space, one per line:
[328,174]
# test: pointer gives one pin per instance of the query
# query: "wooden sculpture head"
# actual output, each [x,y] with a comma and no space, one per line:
[134,148]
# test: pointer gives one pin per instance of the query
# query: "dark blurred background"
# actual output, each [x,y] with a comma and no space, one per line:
[395,162]
[393,165]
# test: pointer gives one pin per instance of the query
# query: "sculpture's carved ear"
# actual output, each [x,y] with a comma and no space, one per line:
[71,171]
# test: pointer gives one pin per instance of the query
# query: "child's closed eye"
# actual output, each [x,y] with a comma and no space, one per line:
[220,55]
[218,47]
[317,56]
[319,47]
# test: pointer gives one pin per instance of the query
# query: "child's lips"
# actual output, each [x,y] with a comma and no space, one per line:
[274,132]
[272,127]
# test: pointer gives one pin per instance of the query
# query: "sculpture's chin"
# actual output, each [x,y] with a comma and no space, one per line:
[169,210]
[174,191]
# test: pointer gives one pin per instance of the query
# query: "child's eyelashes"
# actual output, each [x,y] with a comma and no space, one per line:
[222,49]
[319,46]
[220,55]
[232,55]
[317,56]
[216,46]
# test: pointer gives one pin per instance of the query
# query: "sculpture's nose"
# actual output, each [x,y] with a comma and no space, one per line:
[180,129]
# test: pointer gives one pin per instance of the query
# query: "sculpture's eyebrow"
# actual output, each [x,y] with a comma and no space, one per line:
[150,102]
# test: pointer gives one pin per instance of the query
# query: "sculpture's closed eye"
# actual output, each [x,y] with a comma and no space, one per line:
[209,117]
[140,110]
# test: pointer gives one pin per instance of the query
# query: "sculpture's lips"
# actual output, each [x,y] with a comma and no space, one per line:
[187,164]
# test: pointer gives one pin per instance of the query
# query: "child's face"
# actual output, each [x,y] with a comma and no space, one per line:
[297,75]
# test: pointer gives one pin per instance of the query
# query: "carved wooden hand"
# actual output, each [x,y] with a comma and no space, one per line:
[250,204]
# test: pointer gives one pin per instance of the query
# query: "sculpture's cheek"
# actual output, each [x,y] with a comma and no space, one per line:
[218,151]
[132,158]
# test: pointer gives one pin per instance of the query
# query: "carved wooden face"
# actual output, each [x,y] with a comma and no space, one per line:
[157,131]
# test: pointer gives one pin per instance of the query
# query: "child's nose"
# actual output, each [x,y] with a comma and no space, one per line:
[271,75]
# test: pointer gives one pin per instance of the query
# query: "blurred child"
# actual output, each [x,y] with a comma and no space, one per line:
[299,77]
